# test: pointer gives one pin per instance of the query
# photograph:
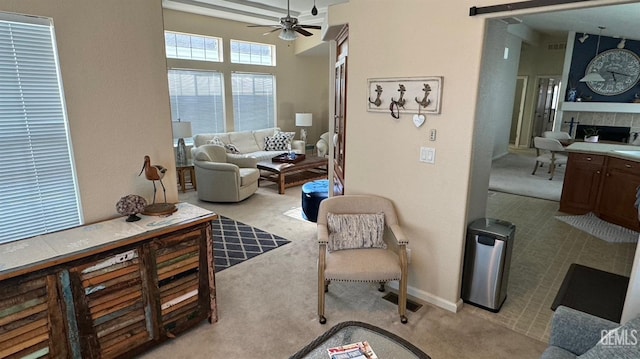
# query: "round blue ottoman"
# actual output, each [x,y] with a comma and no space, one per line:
[312,194]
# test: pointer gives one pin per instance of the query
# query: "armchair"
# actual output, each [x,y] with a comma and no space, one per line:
[224,177]
[322,146]
[575,334]
[364,261]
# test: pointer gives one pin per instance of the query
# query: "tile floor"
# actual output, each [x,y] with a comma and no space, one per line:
[543,250]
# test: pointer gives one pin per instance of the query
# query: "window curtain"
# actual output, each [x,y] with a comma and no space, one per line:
[253,101]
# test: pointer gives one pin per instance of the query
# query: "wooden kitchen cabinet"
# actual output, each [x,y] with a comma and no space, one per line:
[617,195]
[581,183]
[108,290]
[605,185]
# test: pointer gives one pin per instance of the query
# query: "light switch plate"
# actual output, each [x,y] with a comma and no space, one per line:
[427,155]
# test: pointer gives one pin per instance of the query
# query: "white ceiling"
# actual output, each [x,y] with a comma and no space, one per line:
[619,20]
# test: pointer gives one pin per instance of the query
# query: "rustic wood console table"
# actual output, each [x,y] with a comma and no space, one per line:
[109,289]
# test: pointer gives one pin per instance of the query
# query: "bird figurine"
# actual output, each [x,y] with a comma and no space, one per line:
[154,173]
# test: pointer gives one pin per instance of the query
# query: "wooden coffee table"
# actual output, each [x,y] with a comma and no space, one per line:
[287,175]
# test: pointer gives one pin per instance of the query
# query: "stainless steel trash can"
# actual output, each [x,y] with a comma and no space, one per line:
[486,263]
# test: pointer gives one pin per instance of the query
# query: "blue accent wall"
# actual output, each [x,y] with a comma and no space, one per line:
[583,53]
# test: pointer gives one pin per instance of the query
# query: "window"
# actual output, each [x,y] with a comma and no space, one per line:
[39,191]
[252,53]
[253,101]
[198,97]
[193,47]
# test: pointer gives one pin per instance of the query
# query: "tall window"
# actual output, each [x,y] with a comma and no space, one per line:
[39,193]
[253,101]
[198,97]
[193,47]
[252,53]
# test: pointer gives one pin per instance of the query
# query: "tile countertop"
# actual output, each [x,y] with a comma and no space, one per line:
[76,242]
[627,152]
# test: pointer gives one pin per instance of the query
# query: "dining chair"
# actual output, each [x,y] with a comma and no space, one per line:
[549,150]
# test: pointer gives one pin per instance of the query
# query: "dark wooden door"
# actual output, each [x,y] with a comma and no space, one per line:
[618,194]
[340,113]
[581,182]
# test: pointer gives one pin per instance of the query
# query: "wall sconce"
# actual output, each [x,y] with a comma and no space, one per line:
[304,120]
[583,38]
[622,43]
[180,131]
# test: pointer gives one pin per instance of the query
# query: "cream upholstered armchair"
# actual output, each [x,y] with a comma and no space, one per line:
[360,240]
[322,146]
[224,177]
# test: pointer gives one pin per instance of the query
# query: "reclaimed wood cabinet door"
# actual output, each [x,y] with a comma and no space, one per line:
[618,193]
[31,323]
[581,183]
[181,283]
[111,304]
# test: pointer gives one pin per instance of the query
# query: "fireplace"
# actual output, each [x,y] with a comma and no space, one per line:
[606,133]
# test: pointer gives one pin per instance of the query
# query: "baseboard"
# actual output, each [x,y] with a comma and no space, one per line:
[453,307]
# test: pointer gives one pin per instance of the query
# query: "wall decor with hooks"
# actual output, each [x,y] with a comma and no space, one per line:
[415,95]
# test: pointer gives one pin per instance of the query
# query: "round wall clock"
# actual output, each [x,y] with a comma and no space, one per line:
[620,69]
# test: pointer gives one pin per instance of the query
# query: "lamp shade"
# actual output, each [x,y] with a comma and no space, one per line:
[288,35]
[181,129]
[592,77]
[304,119]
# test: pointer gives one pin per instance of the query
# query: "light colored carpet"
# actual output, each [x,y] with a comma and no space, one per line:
[267,306]
[512,174]
[604,230]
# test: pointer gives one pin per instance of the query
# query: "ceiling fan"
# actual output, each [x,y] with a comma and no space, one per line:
[290,27]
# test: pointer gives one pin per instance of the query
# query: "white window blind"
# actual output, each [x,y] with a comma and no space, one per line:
[38,190]
[197,97]
[254,101]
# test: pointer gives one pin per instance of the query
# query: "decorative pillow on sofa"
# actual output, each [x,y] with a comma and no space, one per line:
[280,141]
[349,231]
[231,148]
[215,141]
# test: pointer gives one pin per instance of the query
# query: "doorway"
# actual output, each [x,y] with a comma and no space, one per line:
[518,110]
[548,88]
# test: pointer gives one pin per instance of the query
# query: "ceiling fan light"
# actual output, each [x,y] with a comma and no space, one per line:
[288,35]
[592,77]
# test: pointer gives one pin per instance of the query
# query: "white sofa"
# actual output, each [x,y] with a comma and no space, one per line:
[248,143]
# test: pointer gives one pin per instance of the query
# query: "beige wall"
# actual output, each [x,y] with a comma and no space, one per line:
[114,77]
[302,81]
[421,38]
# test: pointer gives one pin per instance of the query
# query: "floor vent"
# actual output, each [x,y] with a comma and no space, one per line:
[411,305]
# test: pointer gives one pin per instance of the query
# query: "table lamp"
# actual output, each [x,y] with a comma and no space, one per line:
[304,120]
[180,131]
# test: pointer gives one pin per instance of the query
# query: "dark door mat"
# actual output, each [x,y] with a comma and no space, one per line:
[593,291]
[411,305]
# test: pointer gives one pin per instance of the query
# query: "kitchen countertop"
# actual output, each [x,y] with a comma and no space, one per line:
[627,152]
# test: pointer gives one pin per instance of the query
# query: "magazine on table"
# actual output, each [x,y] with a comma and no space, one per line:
[358,350]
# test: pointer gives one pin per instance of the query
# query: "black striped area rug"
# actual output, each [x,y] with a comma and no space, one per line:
[235,242]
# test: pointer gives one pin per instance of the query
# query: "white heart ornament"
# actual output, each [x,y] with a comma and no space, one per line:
[418,120]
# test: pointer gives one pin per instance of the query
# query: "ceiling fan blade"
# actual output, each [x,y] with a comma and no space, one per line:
[272,31]
[275,26]
[317,27]
[302,31]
